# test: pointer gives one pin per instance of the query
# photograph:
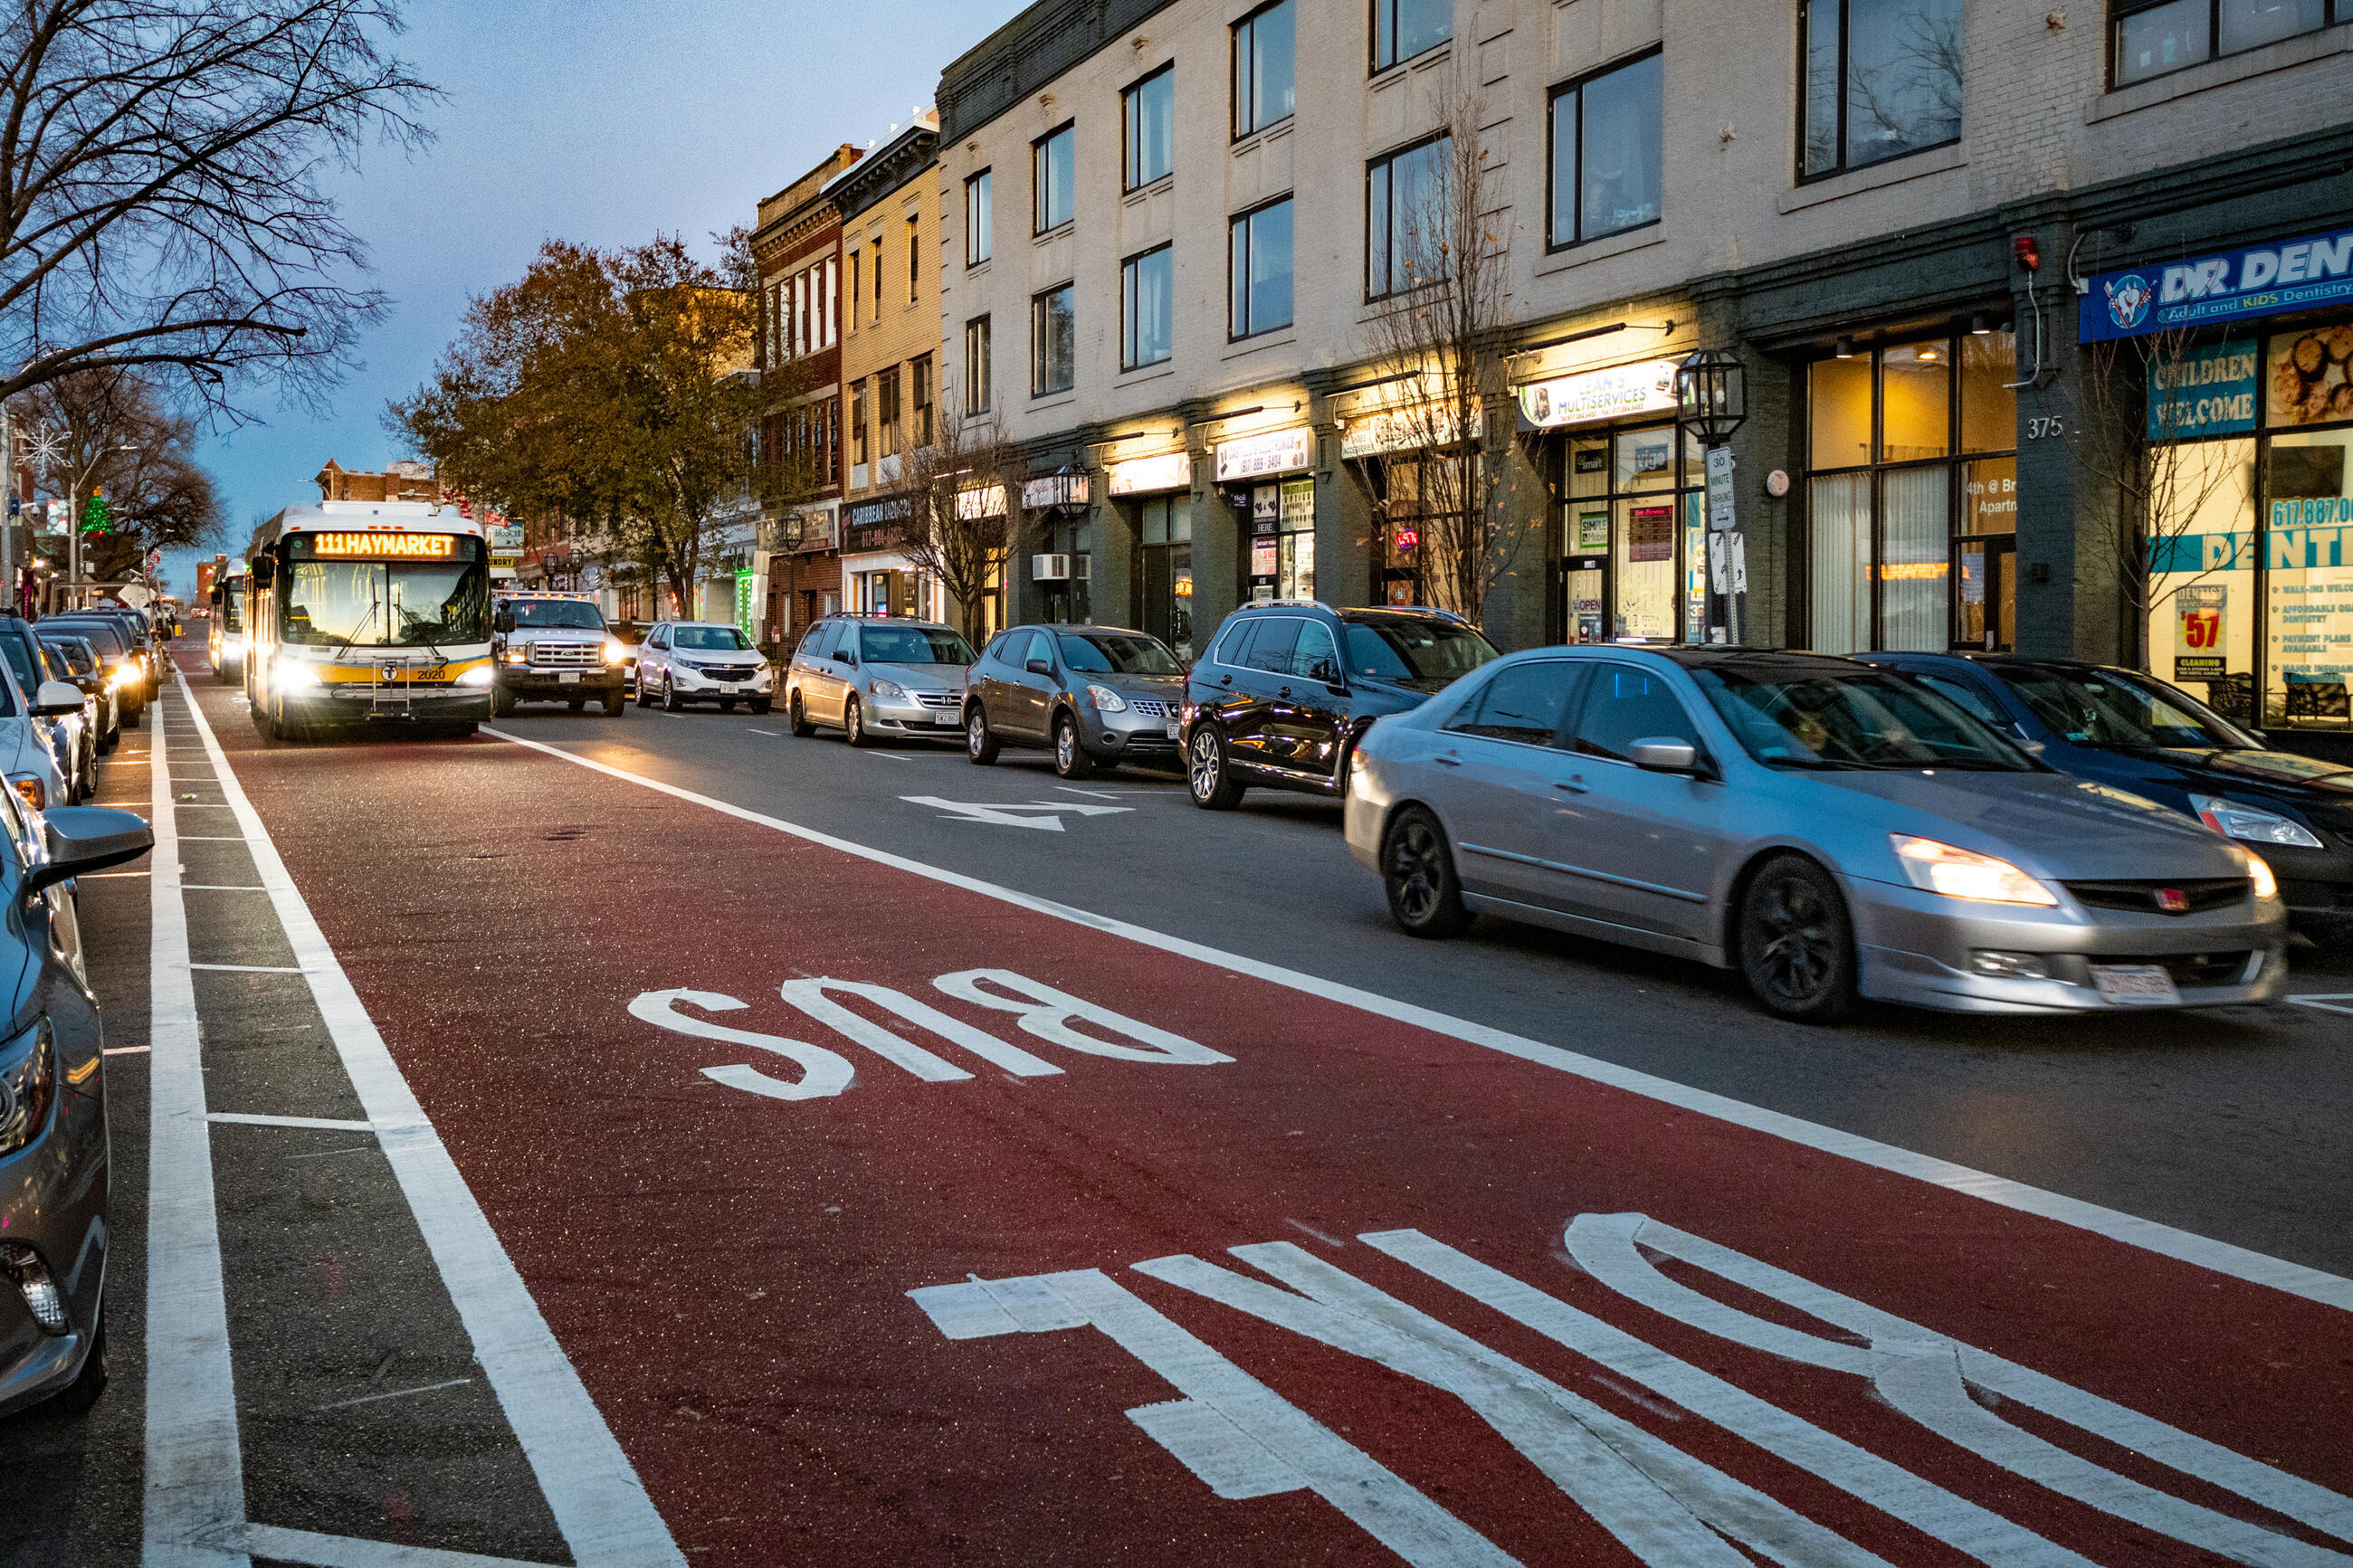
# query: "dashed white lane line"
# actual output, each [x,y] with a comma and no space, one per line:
[2223,1257]
[594,1493]
[772,734]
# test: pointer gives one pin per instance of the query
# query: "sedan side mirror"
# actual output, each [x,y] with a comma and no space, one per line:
[1663,755]
[1041,667]
[56,699]
[86,838]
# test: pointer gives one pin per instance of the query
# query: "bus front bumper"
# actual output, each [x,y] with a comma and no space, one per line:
[359,704]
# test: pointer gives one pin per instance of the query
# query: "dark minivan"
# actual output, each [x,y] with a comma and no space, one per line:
[1289,685]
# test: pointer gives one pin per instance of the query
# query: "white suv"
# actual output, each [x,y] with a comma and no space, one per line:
[703,661]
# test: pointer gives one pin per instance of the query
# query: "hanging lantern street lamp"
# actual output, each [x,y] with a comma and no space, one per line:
[1712,394]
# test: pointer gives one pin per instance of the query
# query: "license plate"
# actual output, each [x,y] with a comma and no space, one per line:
[943,716]
[569,678]
[1172,727]
[2135,986]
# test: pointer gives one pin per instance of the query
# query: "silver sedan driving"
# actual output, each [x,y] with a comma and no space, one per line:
[1830,829]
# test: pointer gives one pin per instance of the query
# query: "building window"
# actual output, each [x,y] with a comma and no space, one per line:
[1405,218]
[1053,340]
[1147,307]
[1605,152]
[1265,68]
[858,424]
[832,300]
[876,246]
[976,365]
[1910,505]
[886,411]
[915,259]
[832,440]
[978,214]
[2150,38]
[920,373]
[1404,28]
[1053,174]
[1149,117]
[1883,78]
[857,291]
[1260,271]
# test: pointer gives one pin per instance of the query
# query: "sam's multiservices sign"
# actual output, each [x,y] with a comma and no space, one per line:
[2231,286]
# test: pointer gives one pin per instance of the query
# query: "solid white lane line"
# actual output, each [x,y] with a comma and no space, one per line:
[593,1492]
[343,1552]
[248,1119]
[2222,1257]
[195,1493]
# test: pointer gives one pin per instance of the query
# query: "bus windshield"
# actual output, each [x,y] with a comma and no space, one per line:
[385,604]
[232,606]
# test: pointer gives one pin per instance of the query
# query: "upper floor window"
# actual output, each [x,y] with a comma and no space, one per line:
[978,214]
[976,365]
[857,423]
[2150,38]
[1148,111]
[1405,218]
[1404,28]
[1883,78]
[1054,172]
[1265,57]
[876,247]
[886,410]
[857,288]
[1605,152]
[1053,340]
[1260,275]
[920,375]
[1147,307]
[914,259]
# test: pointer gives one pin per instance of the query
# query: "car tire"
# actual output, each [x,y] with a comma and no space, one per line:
[761,705]
[669,698]
[1418,874]
[1797,942]
[1071,759]
[796,719]
[578,705]
[727,705]
[502,703]
[980,747]
[645,695]
[853,723]
[82,1393]
[1208,773]
[616,703]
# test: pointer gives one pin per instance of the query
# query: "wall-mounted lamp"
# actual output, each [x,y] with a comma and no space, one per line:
[1845,349]
[1980,326]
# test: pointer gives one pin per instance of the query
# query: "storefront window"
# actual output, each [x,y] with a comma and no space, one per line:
[1910,550]
[1164,579]
[2308,577]
[1283,540]
[1633,544]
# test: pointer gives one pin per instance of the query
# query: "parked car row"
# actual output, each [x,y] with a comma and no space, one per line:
[1988,834]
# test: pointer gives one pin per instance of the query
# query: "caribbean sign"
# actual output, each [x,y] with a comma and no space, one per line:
[2230,286]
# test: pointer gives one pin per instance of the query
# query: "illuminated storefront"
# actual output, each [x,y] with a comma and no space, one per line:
[1266,479]
[1155,494]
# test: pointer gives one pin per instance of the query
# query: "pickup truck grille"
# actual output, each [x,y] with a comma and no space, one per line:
[566,655]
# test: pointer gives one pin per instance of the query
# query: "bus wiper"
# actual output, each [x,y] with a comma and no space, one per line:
[356,631]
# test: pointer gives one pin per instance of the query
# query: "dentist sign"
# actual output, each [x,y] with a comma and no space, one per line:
[2232,286]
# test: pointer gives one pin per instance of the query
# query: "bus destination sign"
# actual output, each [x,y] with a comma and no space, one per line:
[384,546]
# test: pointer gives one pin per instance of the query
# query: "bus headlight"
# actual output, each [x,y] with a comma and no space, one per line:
[480,675]
[292,677]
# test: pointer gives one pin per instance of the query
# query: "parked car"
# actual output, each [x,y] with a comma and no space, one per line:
[1829,828]
[124,671]
[63,726]
[876,676]
[139,650]
[1096,696]
[1290,686]
[684,662]
[53,1133]
[2139,734]
[86,669]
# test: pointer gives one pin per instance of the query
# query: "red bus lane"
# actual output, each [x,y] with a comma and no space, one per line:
[889,1221]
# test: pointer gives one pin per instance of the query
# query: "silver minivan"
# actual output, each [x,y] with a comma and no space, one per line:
[874,676]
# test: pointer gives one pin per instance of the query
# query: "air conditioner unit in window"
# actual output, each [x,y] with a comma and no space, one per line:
[1050,568]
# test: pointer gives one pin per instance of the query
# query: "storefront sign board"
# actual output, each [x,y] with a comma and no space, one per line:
[1651,533]
[1263,457]
[1406,429]
[1622,392]
[2229,286]
[2206,390]
[1146,475]
[980,501]
[1054,490]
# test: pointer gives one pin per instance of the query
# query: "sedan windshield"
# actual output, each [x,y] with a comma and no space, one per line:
[912,645]
[380,603]
[1819,720]
[105,636]
[2114,710]
[1409,647]
[1098,653]
[533,614]
[712,640]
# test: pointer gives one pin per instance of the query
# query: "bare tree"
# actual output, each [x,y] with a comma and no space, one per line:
[160,185]
[1438,354]
[962,518]
[2165,484]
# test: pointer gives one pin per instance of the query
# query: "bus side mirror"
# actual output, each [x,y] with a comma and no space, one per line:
[503,621]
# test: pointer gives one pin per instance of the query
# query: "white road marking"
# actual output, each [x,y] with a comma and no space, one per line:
[102,875]
[2220,1256]
[129,1050]
[885,756]
[250,1119]
[1305,1229]
[1098,794]
[596,1496]
[2325,1004]
[218,887]
[248,968]
[1008,816]
[195,1493]
[397,1392]
[772,734]
[343,1552]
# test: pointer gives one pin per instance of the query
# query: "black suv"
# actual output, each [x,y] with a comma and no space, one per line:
[1288,685]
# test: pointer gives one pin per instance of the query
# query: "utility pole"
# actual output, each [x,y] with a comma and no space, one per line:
[8,507]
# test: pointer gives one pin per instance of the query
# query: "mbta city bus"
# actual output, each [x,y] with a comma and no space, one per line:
[365,612]
[225,640]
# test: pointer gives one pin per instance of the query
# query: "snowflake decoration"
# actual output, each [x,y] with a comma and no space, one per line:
[44,449]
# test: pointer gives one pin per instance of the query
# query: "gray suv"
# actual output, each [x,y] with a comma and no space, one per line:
[1096,696]
[875,676]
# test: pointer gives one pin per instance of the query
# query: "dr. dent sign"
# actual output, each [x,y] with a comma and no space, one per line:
[2232,285]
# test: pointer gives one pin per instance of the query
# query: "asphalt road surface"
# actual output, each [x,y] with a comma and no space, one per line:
[657,1140]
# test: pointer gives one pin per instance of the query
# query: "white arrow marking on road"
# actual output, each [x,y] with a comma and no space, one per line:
[1005,815]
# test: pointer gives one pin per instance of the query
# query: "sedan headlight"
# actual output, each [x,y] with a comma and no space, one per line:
[2259,871]
[480,675]
[2251,824]
[28,1082]
[294,677]
[1106,701]
[1965,874]
[614,653]
[125,674]
[890,688]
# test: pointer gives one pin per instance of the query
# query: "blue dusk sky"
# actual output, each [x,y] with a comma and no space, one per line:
[598,121]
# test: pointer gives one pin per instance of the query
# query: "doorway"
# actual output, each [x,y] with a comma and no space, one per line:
[1987,570]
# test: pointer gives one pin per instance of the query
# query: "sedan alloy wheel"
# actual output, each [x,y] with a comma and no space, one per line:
[1796,943]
